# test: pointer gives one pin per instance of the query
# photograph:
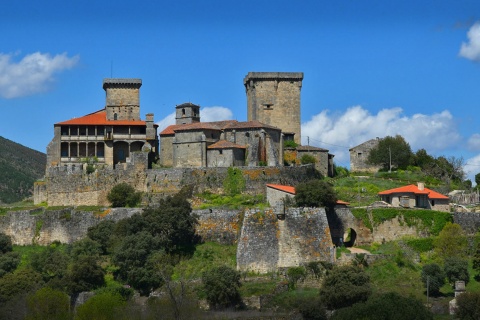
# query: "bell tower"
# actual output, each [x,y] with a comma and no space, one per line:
[187,113]
[122,98]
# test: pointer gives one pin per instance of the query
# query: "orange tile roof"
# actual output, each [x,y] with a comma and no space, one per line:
[414,189]
[224,144]
[343,202]
[215,125]
[100,118]
[288,189]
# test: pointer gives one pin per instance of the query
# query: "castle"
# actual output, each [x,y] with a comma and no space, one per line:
[115,138]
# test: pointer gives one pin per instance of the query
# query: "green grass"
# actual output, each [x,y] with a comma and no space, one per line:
[210,200]
[257,288]
[206,256]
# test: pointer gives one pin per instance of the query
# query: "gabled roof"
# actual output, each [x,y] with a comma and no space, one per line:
[224,144]
[100,118]
[415,190]
[288,189]
[215,125]
[310,148]
[253,124]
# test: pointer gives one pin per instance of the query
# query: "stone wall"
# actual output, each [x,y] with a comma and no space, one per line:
[359,157]
[42,226]
[469,221]
[64,186]
[269,241]
[342,219]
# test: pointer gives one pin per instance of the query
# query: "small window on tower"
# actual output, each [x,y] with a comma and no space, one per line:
[115,116]
[183,112]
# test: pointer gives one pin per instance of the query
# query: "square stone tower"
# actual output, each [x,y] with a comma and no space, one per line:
[123,98]
[187,113]
[273,98]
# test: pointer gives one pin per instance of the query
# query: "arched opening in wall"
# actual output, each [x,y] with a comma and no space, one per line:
[120,152]
[349,237]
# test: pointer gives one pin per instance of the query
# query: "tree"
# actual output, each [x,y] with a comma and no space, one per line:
[48,303]
[124,195]
[85,275]
[84,247]
[8,262]
[312,309]
[315,193]
[172,224]
[456,269]
[390,305]
[394,150]
[476,262]
[22,281]
[477,180]
[295,274]
[308,159]
[468,306]
[5,243]
[51,263]
[105,306]
[221,286]
[451,242]
[344,286]
[102,234]
[433,277]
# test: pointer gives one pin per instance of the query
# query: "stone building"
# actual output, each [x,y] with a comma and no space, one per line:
[109,135]
[273,98]
[359,157]
[416,196]
[192,143]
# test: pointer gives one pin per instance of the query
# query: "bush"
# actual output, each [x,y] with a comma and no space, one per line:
[295,274]
[221,286]
[5,243]
[434,275]
[48,303]
[315,193]
[468,306]
[312,309]
[308,159]
[451,242]
[387,306]
[124,195]
[106,306]
[456,270]
[344,286]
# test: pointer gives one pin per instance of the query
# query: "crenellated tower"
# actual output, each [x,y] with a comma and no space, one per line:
[122,98]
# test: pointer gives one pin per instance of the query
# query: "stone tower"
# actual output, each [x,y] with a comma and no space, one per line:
[123,98]
[187,113]
[273,98]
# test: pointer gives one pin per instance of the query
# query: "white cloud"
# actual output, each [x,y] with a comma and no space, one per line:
[472,167]
[474,142]
[339,132]
[32,74]
[471,49]
[207,114]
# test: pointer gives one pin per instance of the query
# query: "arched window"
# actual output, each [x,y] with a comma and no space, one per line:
[115,116]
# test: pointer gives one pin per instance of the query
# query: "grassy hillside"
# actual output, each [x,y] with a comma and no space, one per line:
[19,168]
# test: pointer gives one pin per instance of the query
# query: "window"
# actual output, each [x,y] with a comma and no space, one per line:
[115,116]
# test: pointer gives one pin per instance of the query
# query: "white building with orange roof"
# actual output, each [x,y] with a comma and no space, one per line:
[109,135]
[416,196]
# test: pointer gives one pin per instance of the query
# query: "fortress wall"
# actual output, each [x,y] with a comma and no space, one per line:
[40,226]
[222,226]
[269,241]
[469,221]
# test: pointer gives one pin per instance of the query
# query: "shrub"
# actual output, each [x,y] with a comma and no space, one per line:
[221,286]
[123,195]
[48,303]
[456,270]
[308,159]
[315,193]
[5,243]
[468,306]
[344,286]
[234,183]
[434,277]
[289,144]
[295,274]
[451,242]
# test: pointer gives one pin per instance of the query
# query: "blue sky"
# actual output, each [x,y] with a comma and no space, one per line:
[372,68]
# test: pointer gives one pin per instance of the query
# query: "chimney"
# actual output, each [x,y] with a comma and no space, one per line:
[421,185]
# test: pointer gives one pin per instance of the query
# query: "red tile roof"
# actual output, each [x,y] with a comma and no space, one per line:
[224,144]
[414,189]
[100,118]
[287,189]
[215,125]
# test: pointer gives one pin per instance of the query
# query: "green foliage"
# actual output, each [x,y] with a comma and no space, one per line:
[124,195]
[344,286]
[221,286]
[5,243]
[420,244]
[456,269]
[105,306]
[20,167]
[8,262]
[51,263]
[19,282]
[451,242]
[308,159]
[468,306]
[294,275]
[390,305]
[85,275]
[234,182]
[312,309]
[102,234]
[315,193]
[238,201]
[84,247]
[476,262]
[340,171]
[48,303]
[433,275]
[394,148]
[289,144]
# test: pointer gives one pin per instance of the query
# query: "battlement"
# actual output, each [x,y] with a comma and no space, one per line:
[121,83]
[286,76]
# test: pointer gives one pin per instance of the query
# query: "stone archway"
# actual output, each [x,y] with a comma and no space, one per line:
[120,152]
[349,237]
